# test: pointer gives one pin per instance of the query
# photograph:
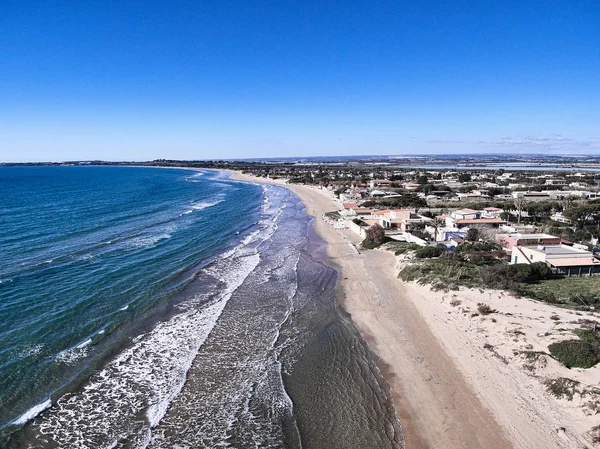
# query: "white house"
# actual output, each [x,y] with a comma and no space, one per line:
[562,259]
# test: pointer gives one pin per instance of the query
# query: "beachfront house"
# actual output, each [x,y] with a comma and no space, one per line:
[509,241]
[401,219]
[563,259]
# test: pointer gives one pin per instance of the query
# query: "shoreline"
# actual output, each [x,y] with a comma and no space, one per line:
[434,402]
[457,379]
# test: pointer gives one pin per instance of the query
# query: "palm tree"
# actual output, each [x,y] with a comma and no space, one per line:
[437,223]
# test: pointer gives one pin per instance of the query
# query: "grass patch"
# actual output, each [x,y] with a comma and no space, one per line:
[400,248]
[569,291]
[442,275]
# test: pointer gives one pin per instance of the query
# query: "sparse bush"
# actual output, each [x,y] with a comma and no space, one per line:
[405,248]
[483,258]
[455,302]
[427,252]
[484,309]
[562,387]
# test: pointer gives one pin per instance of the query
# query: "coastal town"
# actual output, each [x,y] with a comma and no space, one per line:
[501,265]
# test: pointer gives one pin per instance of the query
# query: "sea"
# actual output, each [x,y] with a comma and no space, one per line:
[170,308]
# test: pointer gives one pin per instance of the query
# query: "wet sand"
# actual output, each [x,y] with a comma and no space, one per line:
[435,403]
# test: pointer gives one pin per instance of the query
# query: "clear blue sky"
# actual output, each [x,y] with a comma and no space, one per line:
[138,80]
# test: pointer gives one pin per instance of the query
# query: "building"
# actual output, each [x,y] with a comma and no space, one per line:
[491,212]
[348,208]
[556,182]
[464,219]
[401,219]
[380,183]
[508,241]
[562,259]
[410,186]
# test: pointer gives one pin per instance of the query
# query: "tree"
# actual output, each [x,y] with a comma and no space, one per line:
[472,235]
[423,180]
[376,233]
[519,204]
[437,224]
[464,177]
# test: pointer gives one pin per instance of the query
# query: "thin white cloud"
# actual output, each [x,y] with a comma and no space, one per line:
[553,142]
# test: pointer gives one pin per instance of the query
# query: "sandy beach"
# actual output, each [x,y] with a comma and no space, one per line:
[457,381]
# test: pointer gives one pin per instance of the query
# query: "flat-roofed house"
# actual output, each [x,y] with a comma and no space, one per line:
[467,218]
[562,259]
[402,219]
[507,241]
[491,212]
[380,183]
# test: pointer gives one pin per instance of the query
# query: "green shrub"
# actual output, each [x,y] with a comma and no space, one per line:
[575,353]
[587,335]
[539,271]
[427,252]
[369,244]
[335,215]
[503,276]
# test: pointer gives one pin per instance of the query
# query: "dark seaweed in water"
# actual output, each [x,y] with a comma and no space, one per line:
[277,365]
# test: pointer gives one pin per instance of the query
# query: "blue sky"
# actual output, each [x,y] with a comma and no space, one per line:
[138,80]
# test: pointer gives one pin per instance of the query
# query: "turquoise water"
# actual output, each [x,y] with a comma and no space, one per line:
[85,251]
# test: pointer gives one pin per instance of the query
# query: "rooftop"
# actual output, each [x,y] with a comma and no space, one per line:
[520,236]
[466,211]
[480,221]
[574,261]
[558,250]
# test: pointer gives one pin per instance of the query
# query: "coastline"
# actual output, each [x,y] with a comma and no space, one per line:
[448,390]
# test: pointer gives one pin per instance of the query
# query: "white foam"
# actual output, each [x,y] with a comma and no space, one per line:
[147,241]
[206,204]
[124,307]
[84,344]
[150,373]
[31,350]
[72,355]
[187,212]
[152,370]
[32,413]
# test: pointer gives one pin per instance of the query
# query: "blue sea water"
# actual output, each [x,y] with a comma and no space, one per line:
[86,251]
[152,308]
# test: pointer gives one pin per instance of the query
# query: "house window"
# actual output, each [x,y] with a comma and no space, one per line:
[516,259]
[531,257]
